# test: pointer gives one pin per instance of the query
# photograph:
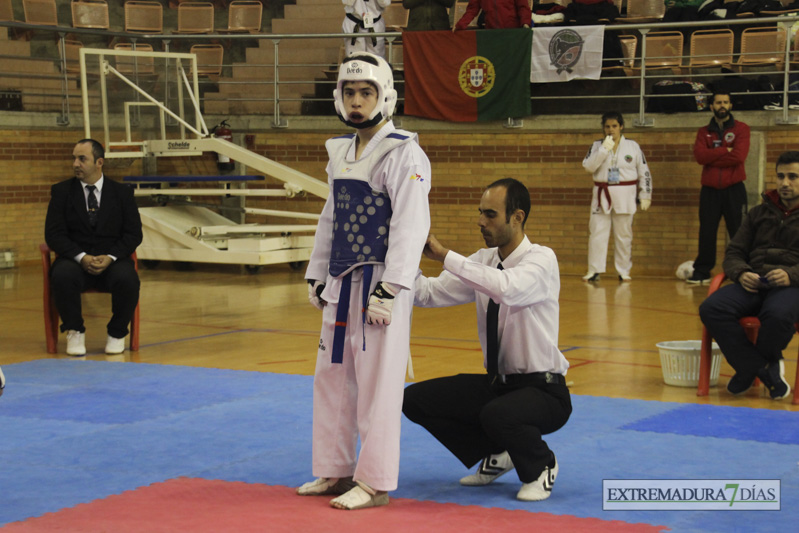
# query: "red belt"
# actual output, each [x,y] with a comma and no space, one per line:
[602,187]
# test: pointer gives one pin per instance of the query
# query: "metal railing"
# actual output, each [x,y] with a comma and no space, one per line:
[639,92]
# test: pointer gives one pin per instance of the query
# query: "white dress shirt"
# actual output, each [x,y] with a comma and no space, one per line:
[527,292]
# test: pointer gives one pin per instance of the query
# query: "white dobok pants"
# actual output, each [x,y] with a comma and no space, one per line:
[599,226]
[362,396]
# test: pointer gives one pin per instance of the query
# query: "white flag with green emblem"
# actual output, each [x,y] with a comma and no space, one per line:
[565,53]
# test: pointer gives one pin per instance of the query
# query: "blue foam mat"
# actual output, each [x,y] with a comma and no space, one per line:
[726,422]
[75,431]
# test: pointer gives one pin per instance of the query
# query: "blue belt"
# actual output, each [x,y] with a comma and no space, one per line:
[342,312]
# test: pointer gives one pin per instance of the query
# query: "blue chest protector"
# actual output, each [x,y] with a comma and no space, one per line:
[362,214]
[360,226]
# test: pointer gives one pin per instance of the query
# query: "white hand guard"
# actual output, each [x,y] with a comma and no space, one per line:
[645,203]
[381,301]
[608,143]
[315,289]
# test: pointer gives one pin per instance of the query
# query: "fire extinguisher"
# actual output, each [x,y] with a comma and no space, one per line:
[223,131]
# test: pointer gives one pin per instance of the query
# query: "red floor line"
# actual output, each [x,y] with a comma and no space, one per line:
[282,362]
[590,361]
[446,347]
[571,366]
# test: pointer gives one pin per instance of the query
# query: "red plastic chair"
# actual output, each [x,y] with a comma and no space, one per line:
[751,325]
[51,313]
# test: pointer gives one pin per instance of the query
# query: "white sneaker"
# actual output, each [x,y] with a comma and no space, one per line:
[76,342]
[541,488]
[114,346]
[490,469]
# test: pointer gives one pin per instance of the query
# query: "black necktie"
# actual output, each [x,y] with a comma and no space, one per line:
[93,206]
[492,338]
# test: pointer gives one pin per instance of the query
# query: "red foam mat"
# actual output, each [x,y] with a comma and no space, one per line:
[201,505]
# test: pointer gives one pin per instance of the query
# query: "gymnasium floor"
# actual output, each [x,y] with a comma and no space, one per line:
[207,427]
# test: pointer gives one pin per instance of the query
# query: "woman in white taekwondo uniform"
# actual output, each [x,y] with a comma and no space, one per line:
[619,169]
[361,274]
[365,16]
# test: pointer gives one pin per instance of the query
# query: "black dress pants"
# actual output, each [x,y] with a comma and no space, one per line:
[68,280]
[474,420]
[713,204]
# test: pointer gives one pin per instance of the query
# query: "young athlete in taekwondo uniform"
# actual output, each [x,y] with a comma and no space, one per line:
[365,16]
[361,275]
[619,170]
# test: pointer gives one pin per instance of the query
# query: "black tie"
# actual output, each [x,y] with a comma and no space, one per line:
[492,338]
[93,207]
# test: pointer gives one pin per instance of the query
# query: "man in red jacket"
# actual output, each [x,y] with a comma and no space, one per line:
[721,148]
[499,14]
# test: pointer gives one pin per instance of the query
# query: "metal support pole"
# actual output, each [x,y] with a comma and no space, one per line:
[786,79]
[170,120]
[63,120]
[104,98]
[136,116]
[277,122]
[642,121]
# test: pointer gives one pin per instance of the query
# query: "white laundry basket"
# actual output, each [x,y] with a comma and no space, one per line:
[680,362]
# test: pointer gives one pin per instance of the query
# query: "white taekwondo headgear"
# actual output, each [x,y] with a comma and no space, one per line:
[364,66]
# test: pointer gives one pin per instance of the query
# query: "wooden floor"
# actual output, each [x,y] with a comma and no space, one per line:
[219,316]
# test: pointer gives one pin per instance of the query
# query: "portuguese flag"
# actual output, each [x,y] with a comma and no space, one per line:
[468,75]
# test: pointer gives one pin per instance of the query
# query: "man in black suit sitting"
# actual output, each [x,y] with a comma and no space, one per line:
[93,226]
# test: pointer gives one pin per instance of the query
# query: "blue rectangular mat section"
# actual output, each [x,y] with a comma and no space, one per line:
[724,422]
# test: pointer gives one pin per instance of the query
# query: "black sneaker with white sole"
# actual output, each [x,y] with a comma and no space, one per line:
[773,377]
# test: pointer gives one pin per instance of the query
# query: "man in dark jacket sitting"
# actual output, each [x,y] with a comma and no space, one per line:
[93,226]
[763,261]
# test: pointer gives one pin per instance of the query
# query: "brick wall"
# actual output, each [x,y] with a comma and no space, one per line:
[550,165]
[463,163]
